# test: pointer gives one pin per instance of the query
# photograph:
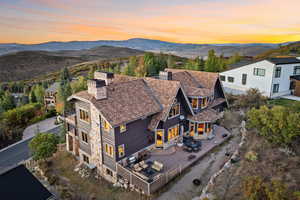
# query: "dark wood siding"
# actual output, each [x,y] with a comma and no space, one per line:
[135,138]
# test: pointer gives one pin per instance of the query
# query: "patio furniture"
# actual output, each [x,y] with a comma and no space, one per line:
[157,166]
[149,171]
[187,149]
[143,164]
[137,167]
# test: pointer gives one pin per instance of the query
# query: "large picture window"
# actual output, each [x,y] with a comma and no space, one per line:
[173,132]
[259,72]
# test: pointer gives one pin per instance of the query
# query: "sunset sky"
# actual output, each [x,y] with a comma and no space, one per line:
[188,21]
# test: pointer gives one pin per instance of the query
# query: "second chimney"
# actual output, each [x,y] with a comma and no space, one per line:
[165,75]
[97,88]
[106,76]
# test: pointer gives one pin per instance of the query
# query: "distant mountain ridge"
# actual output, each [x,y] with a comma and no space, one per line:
[25,65]
[181,49]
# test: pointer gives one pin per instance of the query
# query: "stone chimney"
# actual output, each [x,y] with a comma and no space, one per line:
[106,76]
[165,75]
[97,88]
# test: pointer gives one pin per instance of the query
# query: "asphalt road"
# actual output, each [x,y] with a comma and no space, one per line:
[17,153]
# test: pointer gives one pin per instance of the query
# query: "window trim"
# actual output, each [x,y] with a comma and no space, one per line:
[82,138]
[84,110]
[107,151]
[256,71]
[244,80]
[221,76]
[295,69]
[121,146]
[277,70]
[124,130]
[172,127]
[228,79]
[277,91]
[176,115]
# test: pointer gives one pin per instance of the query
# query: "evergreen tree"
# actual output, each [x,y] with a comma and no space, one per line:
[212,62]
[32,97]
[133,63]
[170,61]
[39,93]
[65,76]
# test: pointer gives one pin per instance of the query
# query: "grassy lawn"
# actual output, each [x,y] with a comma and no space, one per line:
[281,102]
[72,186]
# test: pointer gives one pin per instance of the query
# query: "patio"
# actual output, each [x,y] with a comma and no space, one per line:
[174,160]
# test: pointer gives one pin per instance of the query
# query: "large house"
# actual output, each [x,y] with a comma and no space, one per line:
[50,97]
[119,117]
[274,77]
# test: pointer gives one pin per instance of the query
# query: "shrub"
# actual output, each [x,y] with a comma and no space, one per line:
[251,156]
[252,98]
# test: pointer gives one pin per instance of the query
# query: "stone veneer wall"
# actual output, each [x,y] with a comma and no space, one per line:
[96,148]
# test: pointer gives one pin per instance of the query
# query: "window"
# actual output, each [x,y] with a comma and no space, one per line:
[123,128]
[85,159]
[109,150]
[230,79]
[207,127]
[121,150]
[244,79]
[84,137]
[84,115]
[259,72]
[173,132]
[223,78]
[201,128]
[204,102]
[106,125]
[194,103]
[175,110]
[275,88]
[277,72]
[297,70]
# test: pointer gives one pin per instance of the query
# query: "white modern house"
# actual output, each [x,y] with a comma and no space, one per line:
[274,77]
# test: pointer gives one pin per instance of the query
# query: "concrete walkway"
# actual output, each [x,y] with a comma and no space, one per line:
[40,127]
[291,97]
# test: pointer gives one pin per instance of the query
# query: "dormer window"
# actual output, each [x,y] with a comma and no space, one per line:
[194,103]
[175,110]
[122,128]
[204,102]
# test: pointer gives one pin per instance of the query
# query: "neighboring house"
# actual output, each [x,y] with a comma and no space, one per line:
[50,95]
[273,77]
[119,117]
[18,183]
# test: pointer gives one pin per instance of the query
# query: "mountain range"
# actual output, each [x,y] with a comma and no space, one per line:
[180,49]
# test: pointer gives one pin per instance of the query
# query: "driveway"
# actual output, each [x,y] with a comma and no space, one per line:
[40,127]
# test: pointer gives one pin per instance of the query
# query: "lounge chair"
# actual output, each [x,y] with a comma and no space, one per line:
[157,166]
[137,167]
[143,164]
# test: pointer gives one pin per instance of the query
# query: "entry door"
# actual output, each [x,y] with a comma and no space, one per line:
[192,129]
[159,138]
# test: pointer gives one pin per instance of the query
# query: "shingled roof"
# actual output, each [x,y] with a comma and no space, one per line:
[165,91]
[125,102]
[207,115]
[205,79]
